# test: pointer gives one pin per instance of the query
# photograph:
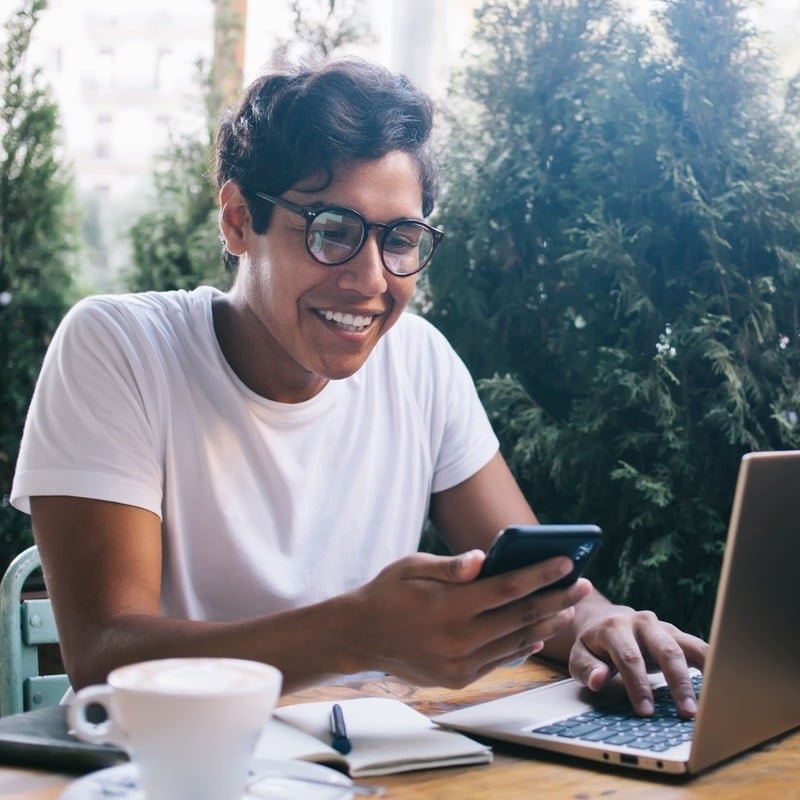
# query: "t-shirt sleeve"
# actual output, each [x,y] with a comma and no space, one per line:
[90,429]
[462,440]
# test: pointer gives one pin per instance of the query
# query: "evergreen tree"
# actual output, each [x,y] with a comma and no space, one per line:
[176,242]
[38,236]
[621,269]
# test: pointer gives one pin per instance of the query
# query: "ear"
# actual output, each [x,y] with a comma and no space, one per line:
[234,218]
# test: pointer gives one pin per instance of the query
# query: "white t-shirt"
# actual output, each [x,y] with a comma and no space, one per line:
[265,506]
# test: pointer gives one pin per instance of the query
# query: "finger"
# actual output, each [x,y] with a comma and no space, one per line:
[669,649]
[501,590]
[543,614]
[510,649]
[511,660]
[622,649]
[670,659]
[502,634]
[694,648]
[456,676]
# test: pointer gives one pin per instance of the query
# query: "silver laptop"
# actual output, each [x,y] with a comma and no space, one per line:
[751,684]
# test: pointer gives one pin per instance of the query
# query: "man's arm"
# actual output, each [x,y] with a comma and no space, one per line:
[603,638]
[102,567]
[423,618]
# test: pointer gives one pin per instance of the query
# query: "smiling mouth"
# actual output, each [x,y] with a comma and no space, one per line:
[354,323]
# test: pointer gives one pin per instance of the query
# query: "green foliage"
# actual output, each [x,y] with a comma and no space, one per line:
[176,243]
[38,236]
[622,270]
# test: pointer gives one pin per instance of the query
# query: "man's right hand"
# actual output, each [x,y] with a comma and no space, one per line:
[427,620]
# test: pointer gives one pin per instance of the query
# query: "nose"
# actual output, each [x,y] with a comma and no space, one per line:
[365,272]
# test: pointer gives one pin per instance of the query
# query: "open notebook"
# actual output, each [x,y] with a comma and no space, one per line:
[387,736]
[749,690]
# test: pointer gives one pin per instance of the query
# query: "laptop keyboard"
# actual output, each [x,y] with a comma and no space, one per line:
[619,724]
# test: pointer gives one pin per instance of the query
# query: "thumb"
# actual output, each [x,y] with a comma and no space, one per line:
[462,568]
[587,668]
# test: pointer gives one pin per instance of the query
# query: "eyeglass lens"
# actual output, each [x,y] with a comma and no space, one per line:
[334,235]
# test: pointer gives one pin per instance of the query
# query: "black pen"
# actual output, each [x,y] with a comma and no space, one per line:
[339,740]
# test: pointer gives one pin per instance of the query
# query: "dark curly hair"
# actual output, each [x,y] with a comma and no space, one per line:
[290,126]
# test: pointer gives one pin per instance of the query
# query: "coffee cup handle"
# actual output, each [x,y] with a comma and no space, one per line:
[106,732]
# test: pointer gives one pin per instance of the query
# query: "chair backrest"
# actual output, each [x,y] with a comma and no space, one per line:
[25,625]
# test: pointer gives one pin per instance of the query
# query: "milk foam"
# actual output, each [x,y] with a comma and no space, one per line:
[192,676]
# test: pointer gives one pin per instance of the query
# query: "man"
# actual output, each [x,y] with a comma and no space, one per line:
[247,473]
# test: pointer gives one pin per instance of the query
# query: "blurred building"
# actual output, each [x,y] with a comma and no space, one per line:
[124,75]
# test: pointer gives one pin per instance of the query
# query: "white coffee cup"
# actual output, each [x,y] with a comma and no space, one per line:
[190,724]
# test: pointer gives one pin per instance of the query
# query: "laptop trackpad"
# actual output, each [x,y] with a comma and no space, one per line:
[522,710]
[532,708]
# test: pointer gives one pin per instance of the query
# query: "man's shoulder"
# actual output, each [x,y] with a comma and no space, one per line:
[140,309]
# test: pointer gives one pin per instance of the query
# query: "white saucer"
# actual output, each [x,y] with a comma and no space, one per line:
[122,782]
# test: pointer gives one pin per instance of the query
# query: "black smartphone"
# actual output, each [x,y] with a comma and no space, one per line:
[523,545]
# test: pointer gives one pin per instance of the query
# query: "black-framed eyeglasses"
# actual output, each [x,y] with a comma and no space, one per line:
[335,234]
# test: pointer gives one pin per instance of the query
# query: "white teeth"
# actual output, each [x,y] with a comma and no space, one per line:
[349,322]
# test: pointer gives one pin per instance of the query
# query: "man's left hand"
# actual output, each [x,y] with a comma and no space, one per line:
[612,639]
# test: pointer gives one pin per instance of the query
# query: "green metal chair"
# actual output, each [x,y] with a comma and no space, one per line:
[25,625]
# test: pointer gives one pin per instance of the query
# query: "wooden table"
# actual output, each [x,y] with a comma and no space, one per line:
[771,771]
